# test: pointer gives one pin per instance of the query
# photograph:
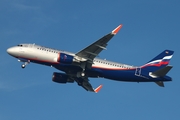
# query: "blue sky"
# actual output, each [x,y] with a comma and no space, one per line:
[149,27]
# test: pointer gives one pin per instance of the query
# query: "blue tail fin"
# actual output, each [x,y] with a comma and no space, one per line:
[159,61]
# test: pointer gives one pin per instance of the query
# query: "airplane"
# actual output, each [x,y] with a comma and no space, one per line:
[80,66]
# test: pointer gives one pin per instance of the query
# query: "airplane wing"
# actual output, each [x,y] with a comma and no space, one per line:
[86,85]
[87,55]
[95,48]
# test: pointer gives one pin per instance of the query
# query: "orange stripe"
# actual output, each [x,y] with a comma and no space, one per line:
[115,31]
[98,89]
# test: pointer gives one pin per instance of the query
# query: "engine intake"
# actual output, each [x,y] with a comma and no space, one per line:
[65,58]
[61,78]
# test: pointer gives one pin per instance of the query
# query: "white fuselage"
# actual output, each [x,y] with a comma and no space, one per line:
[69,63]
[44,54]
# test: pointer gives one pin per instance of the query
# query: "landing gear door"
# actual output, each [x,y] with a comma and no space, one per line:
[138,72]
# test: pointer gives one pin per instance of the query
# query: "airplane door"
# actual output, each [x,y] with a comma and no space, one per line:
[138,72]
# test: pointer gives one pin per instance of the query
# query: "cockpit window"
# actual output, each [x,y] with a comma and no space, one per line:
[20,45]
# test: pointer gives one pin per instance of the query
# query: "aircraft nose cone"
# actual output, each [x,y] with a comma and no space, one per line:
[11,51]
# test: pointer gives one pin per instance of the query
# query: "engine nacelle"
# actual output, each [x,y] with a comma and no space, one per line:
[65,58]
[61,78]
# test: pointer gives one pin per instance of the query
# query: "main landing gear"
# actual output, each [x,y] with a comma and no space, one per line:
[81,74]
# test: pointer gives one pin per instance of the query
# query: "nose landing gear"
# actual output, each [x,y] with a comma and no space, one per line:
[25,63]
[23,66]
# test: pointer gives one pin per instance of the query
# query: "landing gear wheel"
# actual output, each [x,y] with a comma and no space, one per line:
[25,63]
[23,66]
[82,74]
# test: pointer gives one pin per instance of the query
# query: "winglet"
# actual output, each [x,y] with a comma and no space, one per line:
[98,89]
[115,31]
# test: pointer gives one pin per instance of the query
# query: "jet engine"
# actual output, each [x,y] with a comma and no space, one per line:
[65,58]
[61,78]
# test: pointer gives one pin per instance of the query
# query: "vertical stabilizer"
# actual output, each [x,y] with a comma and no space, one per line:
[159,61]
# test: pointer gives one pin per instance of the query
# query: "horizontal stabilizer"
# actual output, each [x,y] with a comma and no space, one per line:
[162,72]
[160,83]
[160,61]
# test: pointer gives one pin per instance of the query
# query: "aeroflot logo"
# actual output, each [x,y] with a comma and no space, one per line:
[65,56]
